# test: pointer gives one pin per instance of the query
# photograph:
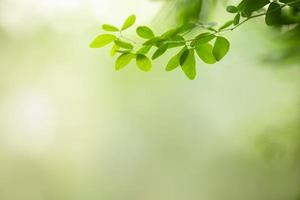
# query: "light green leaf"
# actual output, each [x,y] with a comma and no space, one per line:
[124,60]
[188,64]
[102,40]
[110,28]
[114,50]
[123,44]
[145,32]
[221,48]
[129,22]
[143,62]
[204,52]
[175,61]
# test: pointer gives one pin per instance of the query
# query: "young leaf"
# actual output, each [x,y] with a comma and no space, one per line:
[273,15]
[175,61]
[221,48]
[204,52]
[123,60]
[143,62]
[203,38]
[129,22]
[110,28]
[160,51]
[145,32]
[232,9]
[188,64]
[176,41]
[102,40]
[123,44]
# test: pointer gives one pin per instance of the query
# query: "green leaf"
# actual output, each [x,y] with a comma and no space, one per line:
[114,50]
[232,9]
[247,7]
[205,53]
[102,40]
[129,22]
[145,32]
[221,48]
[203,38]
[143,62]
[226,25]
[160,51]
[237,19]
[110,28]
[188,64]
[144,50]
[123,60]
[176,41]
[273,15]
[175,60]
[123,44]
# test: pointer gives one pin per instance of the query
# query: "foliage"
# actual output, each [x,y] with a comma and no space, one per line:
[209,45]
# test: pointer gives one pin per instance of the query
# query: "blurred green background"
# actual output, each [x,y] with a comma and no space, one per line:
[71,128]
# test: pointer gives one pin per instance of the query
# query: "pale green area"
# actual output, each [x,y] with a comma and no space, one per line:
[71,128]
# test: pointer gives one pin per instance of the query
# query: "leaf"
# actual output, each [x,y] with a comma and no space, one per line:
[145,32]
[129,22]
[237,19]
[221,48]
[143,62]
[160,51]
[203,38]
[114,50]
[144,50]
[110,28]
[205,53]
[232,9]
[102,40]
[273,15]
[176,41]
[247,7]
[188,64]
[226,25]
[123,60]
[175,60]
[123,44]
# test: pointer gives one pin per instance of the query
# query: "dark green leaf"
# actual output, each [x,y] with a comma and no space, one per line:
[160,51]
[232,9]
[273,15]
[237,19]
